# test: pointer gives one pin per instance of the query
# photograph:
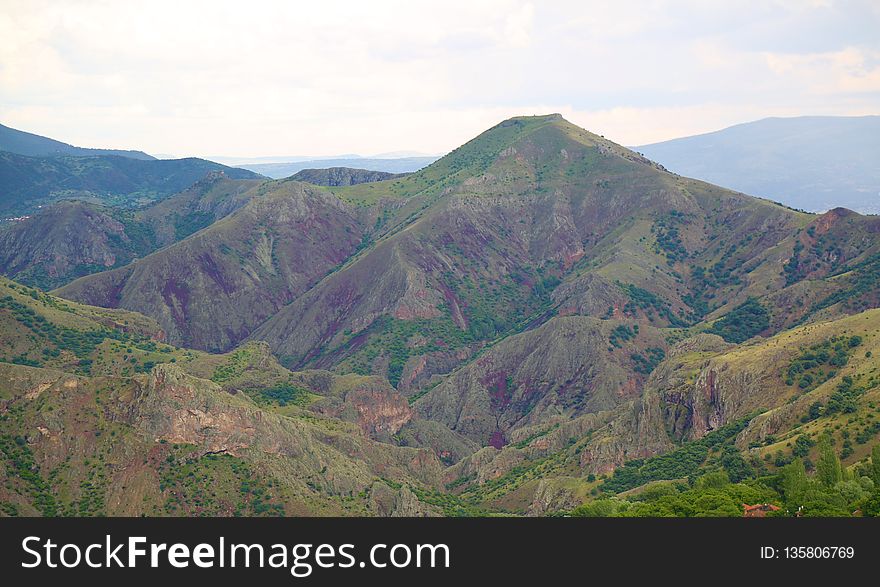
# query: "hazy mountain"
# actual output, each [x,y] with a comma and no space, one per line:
[31,181]
[813,163]
[286,169]
[25,143]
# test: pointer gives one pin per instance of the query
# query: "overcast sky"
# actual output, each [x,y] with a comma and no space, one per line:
[252,78]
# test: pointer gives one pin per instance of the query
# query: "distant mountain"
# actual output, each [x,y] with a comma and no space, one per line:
[286,169]
[31,181]
[25,143]
[341,176]
[815,163]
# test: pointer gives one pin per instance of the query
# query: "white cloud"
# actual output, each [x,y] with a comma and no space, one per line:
[267,78]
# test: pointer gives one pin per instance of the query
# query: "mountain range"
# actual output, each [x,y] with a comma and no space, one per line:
[25,143]
[387,165]
[540,322]
[814,163]
[36,171]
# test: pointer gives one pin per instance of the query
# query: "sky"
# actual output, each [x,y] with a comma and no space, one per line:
[255,78]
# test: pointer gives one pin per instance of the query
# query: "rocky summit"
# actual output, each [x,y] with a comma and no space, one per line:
[540,322]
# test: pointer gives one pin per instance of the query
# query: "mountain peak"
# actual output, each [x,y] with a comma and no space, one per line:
[553,117]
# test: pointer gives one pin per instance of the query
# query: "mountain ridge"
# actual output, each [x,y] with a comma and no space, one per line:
[542,319]
[33,145]
[810,162]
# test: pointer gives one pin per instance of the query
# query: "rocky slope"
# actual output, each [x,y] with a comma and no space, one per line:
[532,219]
[562,369]
[68,240]
[210,290]
[73,238]
[342,176]
[100,437]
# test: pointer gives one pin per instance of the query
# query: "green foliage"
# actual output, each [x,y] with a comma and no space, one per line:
[794,483]
[285,393]
[238,361]
[20,464]
[844,400]
[451,505]
[875,464]
[668,238]
[802,446]
[828,469]
[743,322]
[81,343]
[820,362]
[600,508]
[793,269]
[649,303]
[622,333]
[712,495]
[191,223]
[861,282]
[214,484]
[645,365]
[392,338]
[680,463]
[735,466]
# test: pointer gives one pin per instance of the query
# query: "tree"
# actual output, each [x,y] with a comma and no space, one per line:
[735,465]
[794,483]
[871,507]
[743,322]
[828,469]
[713,480]
[802,446]
[875,465]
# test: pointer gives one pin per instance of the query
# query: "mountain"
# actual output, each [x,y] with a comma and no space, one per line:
[540,322]
[72,238]
[25,143]
[68,240]
[534,221]
[340,176]
[390,165]
[535,217]
[815,163]
[210,290]
[110,179]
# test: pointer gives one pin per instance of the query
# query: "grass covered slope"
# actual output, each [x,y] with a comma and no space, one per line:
[96,418]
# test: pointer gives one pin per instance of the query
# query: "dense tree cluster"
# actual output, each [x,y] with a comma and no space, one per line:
[743,322]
